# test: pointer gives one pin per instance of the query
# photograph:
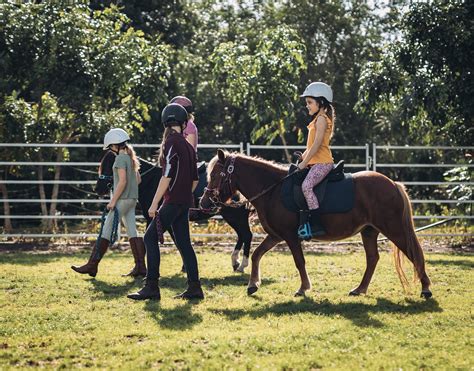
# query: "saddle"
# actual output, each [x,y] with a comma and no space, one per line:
[335,193]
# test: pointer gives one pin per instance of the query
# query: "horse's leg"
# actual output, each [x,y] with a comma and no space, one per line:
[238,219]
[266,245]
[369,238]
[236,252]
[402,241]
[298,257]
[246,235]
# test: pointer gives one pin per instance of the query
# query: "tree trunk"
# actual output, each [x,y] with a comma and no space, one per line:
[281,133]
[42,194]
[7,223]
[55,192]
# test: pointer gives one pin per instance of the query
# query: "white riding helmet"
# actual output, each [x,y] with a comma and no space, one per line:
[115,136]
[318,89]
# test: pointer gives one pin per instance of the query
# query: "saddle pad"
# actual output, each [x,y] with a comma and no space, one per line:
[338,196]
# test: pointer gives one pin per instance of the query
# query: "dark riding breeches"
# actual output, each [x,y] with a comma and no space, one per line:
[176,217]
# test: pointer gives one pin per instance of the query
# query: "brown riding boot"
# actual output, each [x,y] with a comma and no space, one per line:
[138,251]
[194,291]
[90,267]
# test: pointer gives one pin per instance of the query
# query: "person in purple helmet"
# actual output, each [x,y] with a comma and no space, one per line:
[190,132]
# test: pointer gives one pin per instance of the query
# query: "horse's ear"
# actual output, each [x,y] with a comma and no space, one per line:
[221,155]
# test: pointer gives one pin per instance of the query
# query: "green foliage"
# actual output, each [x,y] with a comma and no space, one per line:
[460,192]
[424,80]
[98,71]
[52,317]
[264,79]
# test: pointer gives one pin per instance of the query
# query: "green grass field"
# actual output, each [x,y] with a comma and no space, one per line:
[52,317]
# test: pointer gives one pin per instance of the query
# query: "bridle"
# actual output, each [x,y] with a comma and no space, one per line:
[226,180]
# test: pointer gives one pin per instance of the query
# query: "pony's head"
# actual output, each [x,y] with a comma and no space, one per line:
[105,180]
[221,181]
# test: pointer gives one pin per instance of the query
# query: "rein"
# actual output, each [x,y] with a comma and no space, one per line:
[149,170]
[113,236]
[226,178]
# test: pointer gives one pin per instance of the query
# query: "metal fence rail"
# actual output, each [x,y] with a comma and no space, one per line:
[367,159]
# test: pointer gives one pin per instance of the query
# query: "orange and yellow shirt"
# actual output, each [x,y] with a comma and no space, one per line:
[323,155]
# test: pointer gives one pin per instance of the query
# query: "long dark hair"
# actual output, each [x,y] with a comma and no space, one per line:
[168,130]
[166,134]
[328,108]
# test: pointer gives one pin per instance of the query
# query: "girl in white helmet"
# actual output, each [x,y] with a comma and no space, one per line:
[317,155]
[124,199]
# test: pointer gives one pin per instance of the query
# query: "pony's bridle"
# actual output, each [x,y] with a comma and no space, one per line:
[225,180]
[213,193]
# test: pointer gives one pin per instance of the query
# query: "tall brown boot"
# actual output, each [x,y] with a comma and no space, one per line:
[90,267]
[138,251]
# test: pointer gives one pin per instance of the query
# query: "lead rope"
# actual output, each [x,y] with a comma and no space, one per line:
[113,236]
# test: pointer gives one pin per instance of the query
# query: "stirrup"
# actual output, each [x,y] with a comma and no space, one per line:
[304,231]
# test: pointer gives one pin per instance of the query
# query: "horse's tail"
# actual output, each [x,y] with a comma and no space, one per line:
[412,248]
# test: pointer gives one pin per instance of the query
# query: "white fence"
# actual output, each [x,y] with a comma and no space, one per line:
[366,158]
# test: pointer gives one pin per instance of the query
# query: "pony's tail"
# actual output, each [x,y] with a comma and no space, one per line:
[412,248]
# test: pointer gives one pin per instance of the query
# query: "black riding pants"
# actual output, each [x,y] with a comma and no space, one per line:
[174,217]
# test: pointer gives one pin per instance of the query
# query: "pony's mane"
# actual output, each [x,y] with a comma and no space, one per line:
[238,155]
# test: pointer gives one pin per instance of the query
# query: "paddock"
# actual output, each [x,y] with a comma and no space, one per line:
[53,318]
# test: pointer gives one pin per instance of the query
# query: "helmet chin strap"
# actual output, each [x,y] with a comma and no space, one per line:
[114,151]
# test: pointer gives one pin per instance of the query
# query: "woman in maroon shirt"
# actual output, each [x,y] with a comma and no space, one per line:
[179,179]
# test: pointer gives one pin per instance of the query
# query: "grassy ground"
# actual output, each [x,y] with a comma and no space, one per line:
[52,317]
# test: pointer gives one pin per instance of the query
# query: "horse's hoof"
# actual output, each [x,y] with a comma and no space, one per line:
[240,270]
[251,290]
[235,266]
[426,294]
[300,293]
[354,293]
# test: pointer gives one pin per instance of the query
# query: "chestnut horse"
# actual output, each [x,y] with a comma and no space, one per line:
[380,206]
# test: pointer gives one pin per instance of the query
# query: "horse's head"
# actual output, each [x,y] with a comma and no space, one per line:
[106,179]
[221,181]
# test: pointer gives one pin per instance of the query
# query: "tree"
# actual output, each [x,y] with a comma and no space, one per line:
[422,85]
[74,73]
[264,80]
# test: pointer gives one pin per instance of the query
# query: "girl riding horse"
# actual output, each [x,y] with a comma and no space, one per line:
[381,206]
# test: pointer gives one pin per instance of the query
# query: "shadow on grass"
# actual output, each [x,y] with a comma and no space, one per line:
[461,263]
[358,313]
[176,283]
[180,317]
[115,291]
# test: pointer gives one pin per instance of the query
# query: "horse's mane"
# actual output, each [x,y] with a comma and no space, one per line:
[257,159]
